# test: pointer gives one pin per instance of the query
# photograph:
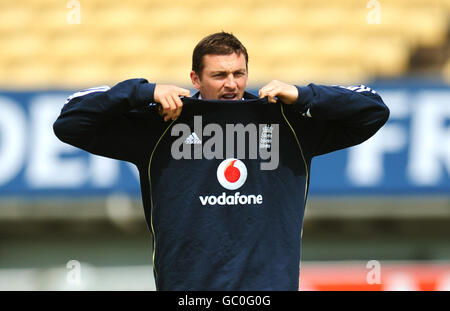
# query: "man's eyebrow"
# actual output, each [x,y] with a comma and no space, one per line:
[226,71]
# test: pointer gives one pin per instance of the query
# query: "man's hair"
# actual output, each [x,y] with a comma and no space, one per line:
[220,43]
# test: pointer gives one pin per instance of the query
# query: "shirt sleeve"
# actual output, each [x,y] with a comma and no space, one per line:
[338,117]
[105,121]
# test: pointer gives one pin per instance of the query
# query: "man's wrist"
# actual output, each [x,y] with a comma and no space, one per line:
[146,93]
[300,104]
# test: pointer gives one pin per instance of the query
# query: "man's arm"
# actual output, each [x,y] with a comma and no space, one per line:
[100,121]
[338,117]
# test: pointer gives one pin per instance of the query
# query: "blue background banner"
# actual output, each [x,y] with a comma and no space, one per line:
[410,155]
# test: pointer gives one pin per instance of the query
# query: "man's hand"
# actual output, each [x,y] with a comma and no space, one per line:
[287,93]
[169,98]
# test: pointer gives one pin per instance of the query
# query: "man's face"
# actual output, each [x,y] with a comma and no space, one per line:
[223,77]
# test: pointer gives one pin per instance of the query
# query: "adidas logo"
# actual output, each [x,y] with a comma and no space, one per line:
[193,139]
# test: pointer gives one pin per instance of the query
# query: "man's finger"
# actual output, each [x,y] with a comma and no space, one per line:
[270,94]
[171,112]
[165,109]
[268,87]
[164,104]
[177,100]
[172,105]
[184,92]
[262,91]
[265,90]
[179,105]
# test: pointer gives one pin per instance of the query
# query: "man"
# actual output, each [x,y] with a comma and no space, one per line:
[218,224]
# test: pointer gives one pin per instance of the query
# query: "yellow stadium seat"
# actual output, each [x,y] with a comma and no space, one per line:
[82,74]
[30,72]
[16,19]
[286,39]
[21,46]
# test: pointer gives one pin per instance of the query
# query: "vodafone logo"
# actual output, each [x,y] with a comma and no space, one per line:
[232,173]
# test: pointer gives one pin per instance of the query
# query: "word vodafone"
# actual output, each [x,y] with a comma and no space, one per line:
[236,199]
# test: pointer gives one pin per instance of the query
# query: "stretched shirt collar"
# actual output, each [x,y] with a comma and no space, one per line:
[247,95]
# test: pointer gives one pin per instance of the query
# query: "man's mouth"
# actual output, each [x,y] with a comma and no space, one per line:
[229,96]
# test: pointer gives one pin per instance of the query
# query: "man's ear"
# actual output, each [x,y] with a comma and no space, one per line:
[195,80]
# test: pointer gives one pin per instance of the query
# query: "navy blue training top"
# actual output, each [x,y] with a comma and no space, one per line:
[224,186]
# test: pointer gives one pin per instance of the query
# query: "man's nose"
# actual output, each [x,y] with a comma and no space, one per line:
[230,82]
